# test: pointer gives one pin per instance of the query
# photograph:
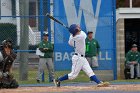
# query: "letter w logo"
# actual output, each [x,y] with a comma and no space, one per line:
[85,8]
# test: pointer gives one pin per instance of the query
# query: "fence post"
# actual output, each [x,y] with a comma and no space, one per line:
[24,39]
[49,31]
[114,39]
[41,26]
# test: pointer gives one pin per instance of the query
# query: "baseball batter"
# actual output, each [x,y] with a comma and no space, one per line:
[79,62]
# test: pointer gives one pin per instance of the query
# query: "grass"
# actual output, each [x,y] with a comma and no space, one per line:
[82,77]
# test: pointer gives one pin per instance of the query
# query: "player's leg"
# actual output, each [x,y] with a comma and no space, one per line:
[87,69]
[50,67]
[89,59]
[94,61]
[76,67]
[40,69]
[132,71]
[138,70]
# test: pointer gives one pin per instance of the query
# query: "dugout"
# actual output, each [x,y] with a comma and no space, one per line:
[127,33]
[132,33]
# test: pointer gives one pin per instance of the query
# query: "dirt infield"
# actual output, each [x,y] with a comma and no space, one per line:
[130,88]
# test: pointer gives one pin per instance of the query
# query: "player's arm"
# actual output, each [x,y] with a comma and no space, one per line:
[98,47]
[71,42]
[84,34]
[128,58]
[50,48]
[137,58]
[41,48]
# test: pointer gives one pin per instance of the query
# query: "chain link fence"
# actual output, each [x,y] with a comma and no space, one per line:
[24,21]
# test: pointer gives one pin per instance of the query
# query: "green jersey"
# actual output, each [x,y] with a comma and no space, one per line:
[49,52]
[92,47]
[132,56]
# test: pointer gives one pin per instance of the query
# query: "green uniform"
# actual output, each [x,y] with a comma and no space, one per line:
[92,47]
[49,52]
[46,60]
[132,56]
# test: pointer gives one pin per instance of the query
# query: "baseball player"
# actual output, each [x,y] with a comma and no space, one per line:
[46,59]
[92,50]
[132,61]
[79,62]
[7,57]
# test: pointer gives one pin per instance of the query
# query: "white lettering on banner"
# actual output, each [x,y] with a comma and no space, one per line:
[107,58]
[66,56]
[59,56]
[85,8]
[102,57]
[63,57]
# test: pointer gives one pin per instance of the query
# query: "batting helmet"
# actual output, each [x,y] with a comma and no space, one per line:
[73,29]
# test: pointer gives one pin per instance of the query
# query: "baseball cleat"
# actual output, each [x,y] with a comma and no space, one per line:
[57,83]
[103,84]
[54,81]
[38,81]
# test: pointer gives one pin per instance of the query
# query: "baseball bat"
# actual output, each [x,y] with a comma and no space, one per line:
[56,20]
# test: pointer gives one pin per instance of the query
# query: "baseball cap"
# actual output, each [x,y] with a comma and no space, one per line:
[89,32]
[134,45]
[45,34]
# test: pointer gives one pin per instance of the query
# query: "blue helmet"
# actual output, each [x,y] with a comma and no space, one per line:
[73,29]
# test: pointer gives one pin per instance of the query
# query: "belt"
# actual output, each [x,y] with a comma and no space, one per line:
[78,54]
